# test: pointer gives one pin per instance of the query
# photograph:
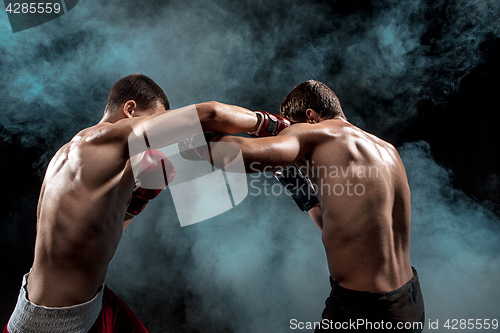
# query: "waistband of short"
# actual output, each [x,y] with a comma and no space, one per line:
[339,290]
[31,318]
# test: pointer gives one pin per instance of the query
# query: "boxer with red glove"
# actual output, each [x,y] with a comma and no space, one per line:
[156,171]
[85,194]
[269,124]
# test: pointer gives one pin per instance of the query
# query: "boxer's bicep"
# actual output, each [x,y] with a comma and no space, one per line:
[261,154]
[285,149]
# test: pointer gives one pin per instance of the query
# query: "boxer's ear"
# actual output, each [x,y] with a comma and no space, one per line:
[312,116]
[129,108]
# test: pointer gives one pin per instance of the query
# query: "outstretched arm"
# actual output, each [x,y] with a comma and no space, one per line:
[225,118]
[169,127]
[265,154]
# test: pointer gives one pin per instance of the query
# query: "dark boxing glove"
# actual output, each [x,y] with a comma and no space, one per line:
[192,148]
[269,124]
[155,173]
[299,185]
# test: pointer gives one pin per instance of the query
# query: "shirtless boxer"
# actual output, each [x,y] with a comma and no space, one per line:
[363,209]
[87,200]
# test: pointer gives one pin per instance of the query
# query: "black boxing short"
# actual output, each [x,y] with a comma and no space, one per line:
[400,310]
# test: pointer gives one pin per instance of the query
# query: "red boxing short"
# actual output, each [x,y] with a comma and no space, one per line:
[116,316]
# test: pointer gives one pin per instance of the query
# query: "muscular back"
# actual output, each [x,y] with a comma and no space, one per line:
[365,207]
[81,209]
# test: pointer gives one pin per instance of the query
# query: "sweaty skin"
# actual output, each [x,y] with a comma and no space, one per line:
[85,194]
[364,209]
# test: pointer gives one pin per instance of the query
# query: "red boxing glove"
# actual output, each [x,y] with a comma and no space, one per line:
[155,173]
[269,124]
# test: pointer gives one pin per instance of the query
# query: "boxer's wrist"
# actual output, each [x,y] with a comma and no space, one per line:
[258,125]
[259,120]
[269,124]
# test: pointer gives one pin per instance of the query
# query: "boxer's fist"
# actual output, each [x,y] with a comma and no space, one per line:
[269,124]
[299,185]
[155,173]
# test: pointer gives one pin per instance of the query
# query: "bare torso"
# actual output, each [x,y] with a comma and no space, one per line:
[365,207]
[88,186]
[81,211]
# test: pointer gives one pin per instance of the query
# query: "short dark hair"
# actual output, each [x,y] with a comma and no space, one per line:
[140,88]
[314,95]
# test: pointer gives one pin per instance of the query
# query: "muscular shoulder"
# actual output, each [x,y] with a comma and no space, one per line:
[104,133]
[346,141]
[312,134]
[107,136]
[100,146]
[93,156]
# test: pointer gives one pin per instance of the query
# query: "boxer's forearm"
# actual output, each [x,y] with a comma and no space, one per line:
[227,119]
[126,220]
[316,215]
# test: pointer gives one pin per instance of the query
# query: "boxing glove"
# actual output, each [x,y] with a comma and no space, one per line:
[156,171]
[299,185]
[269,124]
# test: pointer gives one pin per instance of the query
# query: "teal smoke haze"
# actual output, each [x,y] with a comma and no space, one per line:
[380,58]
[254,268]
[455,242]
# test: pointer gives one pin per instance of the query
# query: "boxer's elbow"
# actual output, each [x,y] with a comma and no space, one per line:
[208,113]
[225,152]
